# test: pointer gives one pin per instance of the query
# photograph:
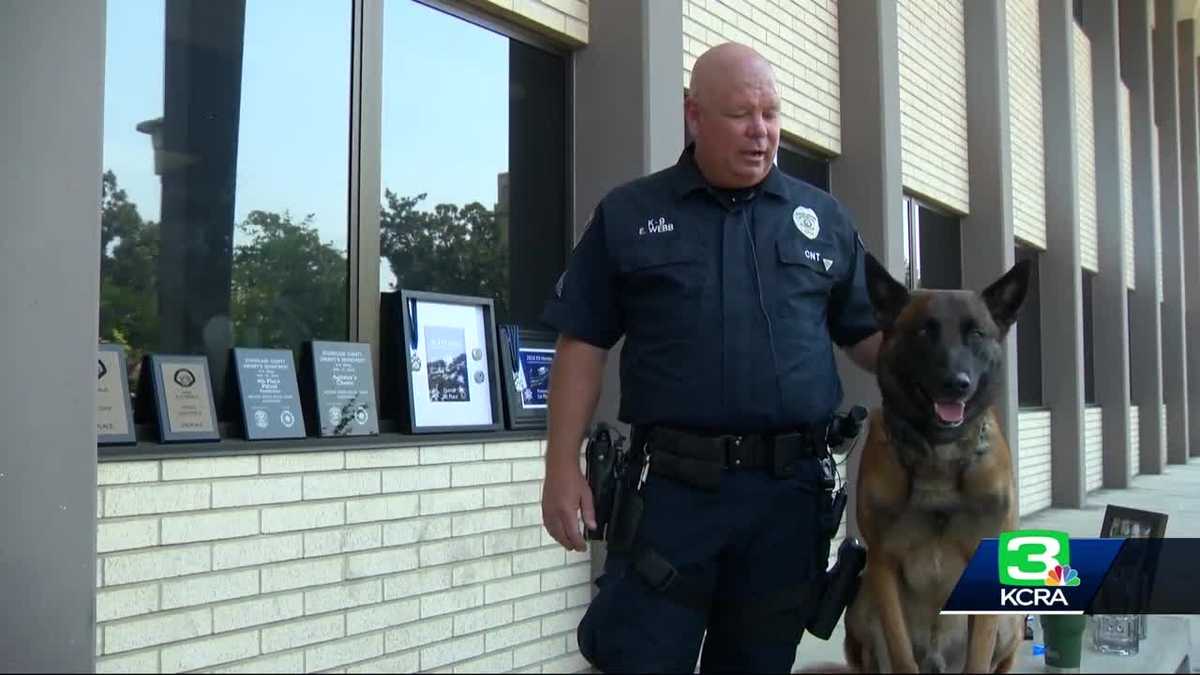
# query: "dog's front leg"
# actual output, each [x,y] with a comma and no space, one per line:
[981,643]
[883,576]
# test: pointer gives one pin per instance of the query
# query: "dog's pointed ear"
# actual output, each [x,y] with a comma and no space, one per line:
[1005,295]
[888,296]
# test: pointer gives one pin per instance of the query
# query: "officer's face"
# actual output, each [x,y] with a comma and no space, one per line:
[736,127]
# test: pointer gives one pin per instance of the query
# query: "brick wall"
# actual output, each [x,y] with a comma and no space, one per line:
[799,38]
[564,20]
[1154,160]
[933,101]
[430,558]
[1085,143]
[1033,462]
[1127,187]
[1025,123]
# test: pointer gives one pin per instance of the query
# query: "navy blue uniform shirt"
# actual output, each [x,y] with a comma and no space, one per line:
[713,341]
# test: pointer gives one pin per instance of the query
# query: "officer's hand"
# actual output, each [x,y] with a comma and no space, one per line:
[565,493]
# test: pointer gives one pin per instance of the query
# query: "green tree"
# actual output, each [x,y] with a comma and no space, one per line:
[128,272]
[450,249]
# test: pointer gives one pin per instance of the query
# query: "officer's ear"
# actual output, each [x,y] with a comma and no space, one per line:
[888,296]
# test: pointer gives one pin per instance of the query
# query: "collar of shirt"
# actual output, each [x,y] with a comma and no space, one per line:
[688,178]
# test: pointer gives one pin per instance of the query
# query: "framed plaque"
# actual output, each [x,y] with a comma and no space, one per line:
[269,395]
[340,380]
[180,391]
[114,414]
[443,361]
[525,360]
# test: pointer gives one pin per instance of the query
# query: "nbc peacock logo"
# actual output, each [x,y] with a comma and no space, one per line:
[1062,576]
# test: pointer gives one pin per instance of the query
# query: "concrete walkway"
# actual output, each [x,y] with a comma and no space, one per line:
[1175,492]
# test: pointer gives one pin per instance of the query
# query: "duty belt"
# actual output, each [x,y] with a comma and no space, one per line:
[698,459]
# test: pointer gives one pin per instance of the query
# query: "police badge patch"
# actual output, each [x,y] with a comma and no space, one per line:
[806,221]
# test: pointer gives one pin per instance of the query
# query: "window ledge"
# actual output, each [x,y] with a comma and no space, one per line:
[234,446]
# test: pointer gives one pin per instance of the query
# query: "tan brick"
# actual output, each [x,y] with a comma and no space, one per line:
[512,450]
[446,602]
[386,615]
[538,606]
[528,469]
[210,588]
[341,484]
[467,499]
[137,500]
[292,662]
[209,526]
[482,619]
[210,652]
[541,559]
[343,596]
[508,495]
[571,663]
[482,570]
[416,479]
[417,634]
[302,517]
[507,589]
[342,652]
[484,473]
[414,530]
[567,576]
[451,550]
[482,521]
[177,561]
[301,574]
[123,535]
[416,583]
[579,596]
[386,561]
[524,516]
[303,462]
[301,633]
[446,454]
[142,662]
[539,651]
[403,663]
[254,491]
[512,540]
[256,612]
[156,630]
[345,540]
[367,509]
[448,652]
[372,459]
[509,636]
[126,602]
[492,663]
[209,467]
[118,473]
[257,551]
[562,622]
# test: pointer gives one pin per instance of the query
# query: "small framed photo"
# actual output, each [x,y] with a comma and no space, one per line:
[447,361]
[175,390]
[1124,522]
[114,414]
[525,360]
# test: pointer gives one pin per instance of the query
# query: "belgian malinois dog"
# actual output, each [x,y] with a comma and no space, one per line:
[935,477]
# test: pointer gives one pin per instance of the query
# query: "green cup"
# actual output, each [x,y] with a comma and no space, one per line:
[1064,639]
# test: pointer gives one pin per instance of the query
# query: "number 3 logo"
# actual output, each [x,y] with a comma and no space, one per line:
[1028,556]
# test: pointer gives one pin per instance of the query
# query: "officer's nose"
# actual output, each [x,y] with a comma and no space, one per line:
[958,384]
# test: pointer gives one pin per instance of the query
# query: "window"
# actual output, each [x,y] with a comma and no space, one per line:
[1029,336]
[1129,337]
[225,185]
[474,194]
[807,167]
[932,247]
[1089,338]
[1077,11]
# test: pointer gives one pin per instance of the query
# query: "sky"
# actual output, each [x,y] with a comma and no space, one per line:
[445,107]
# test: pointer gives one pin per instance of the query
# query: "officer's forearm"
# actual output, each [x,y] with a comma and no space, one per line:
[575,382]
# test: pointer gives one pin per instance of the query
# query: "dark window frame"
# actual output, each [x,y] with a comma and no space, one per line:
[1088,296]
[804,164]
[942,241]
[1030,389]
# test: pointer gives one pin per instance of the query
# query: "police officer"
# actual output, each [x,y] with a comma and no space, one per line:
[730,283]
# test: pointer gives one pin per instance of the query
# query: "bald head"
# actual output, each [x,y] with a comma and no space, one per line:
[732,112]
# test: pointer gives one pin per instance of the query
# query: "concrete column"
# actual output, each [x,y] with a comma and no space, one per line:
[1146,347]
[866,177]
[628,114]
[987,231]
[51,89]
[1189,153]
[1111,334]
[1061,286]
[1166,107]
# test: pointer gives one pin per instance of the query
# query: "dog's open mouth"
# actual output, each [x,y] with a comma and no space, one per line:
[949,414]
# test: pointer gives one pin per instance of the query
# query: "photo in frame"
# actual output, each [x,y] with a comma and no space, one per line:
[526,357]
[114,414]
[1122,521]
[440,363]
[175,391]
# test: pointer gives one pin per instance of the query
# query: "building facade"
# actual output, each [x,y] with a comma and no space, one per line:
[270,173]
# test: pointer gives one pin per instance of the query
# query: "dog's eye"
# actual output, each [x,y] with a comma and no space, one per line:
[976,333]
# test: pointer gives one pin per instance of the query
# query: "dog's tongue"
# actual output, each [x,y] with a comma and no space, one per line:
[949,412]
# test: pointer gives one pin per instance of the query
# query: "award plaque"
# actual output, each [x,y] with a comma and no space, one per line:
[525,360]
[114,415]
[270,398]
[182,395]
[341,382]
[441,359]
